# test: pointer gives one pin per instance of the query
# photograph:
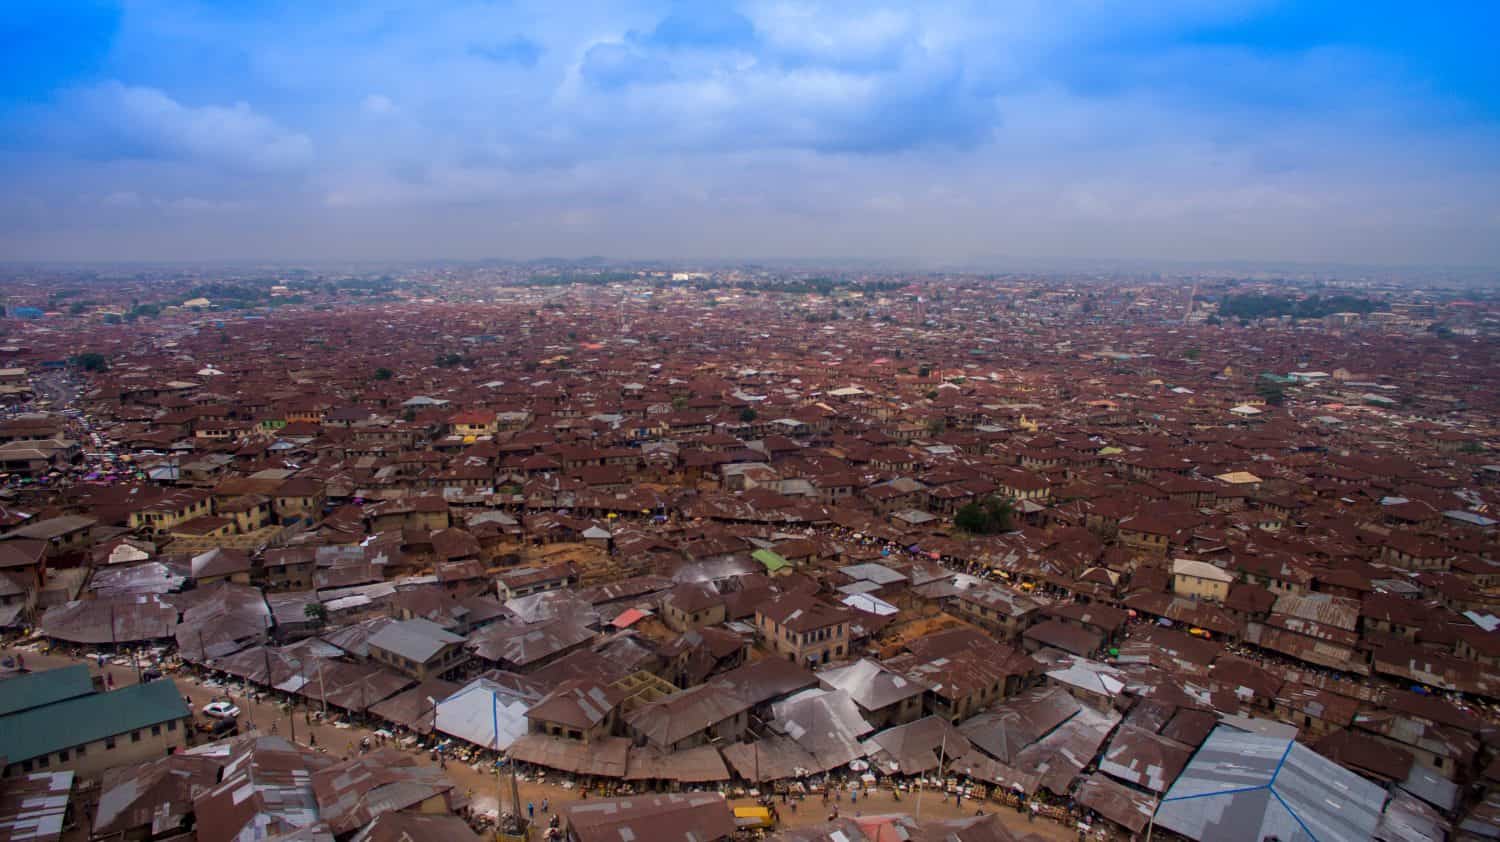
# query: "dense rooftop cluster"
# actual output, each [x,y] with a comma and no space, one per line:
[1048,535]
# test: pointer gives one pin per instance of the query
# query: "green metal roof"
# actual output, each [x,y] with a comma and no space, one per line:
[35,689]
[85,719]
[771,560]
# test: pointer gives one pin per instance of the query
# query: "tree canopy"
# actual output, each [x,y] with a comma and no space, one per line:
[989,517]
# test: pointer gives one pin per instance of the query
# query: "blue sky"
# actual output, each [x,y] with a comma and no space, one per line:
[943,131]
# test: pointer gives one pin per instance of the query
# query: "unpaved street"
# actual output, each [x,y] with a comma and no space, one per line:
[260,716]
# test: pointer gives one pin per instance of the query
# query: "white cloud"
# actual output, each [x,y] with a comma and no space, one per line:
[146,122]
[378,105]
[121,199]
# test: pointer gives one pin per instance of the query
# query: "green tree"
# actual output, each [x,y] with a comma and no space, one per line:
[988,517]
[316,613]
[1272,392]
[384,373]
[91,361]
[747,414]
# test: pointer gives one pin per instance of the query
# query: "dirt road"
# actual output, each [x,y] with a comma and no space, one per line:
[483,787]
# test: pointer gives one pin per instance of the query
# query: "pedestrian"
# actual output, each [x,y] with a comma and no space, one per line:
[530,810]
[1031,817]
[854,797]
[545,806]
[958,799]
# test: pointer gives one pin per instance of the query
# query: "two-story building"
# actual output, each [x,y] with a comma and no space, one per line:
[803,629]
[289,568]
[530,580]
[1200,580]
[418,648]
[995,608]
[580,709]
[178,506]
[703,714]
[693,605]
[884,696]
[298,497]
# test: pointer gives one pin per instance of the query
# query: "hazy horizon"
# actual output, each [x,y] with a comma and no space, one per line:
[948,135]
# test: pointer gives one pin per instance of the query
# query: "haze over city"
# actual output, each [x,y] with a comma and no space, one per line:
[938,133]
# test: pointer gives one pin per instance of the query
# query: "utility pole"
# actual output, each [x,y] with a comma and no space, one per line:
[499,795]
[1151,825]
[271,689]
[114,644]
[942,750]
[322,691]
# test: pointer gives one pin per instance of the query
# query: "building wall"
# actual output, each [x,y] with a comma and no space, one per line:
[682,621]
[139,746]
[725,730]
[798,647]
[1200,588]
[449,658]
[159,521]
[900,713]
[1143,542]
[602,729]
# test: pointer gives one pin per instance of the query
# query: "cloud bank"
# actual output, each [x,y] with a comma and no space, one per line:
[943,131]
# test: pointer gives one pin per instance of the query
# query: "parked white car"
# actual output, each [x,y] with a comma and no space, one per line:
[221,710]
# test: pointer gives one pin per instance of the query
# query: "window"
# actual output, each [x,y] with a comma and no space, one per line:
[62,756]
[135,736]
[81,751]
[172,726]
[109,742]
[156,730]
[42,762]
[26,766]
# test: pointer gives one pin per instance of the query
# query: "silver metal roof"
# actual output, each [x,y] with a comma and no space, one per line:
[1242,786]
